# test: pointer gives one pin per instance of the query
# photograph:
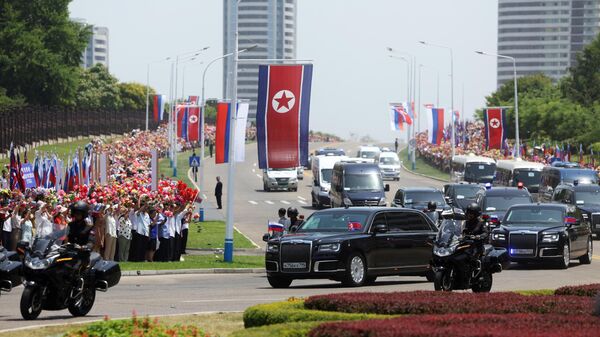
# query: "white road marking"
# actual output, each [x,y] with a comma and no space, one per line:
[285,202]
[258,175]
[204,196]
[302,202]
[269,202]
[253,202]
[253,170]
[299,197]
[254,164]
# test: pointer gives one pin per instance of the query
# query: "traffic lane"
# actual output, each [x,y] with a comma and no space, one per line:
[178,294]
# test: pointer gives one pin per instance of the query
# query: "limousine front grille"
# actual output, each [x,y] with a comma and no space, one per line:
[296,256]
[522,244]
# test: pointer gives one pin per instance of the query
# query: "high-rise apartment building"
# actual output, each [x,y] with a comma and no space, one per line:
[96,50]
[544,36]
[269,24]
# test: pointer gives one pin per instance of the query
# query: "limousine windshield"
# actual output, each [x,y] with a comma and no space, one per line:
[477,170]
[587,177]
[335,222]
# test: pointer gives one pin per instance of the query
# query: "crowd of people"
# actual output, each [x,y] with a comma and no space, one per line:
[470,138]
[131,221]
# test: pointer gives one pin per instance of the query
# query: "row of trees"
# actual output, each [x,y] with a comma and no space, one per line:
[566,111]
[40,57]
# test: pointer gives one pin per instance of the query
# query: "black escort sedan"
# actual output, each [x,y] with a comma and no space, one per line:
[545,233]
[353,246]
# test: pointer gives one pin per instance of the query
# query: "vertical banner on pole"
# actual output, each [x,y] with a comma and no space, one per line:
[154,166]
[240,132]
[103,178]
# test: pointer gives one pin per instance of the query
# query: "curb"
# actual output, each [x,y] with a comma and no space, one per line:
[194,271]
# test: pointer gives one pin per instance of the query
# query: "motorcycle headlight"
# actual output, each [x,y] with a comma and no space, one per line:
[498,237]
[382,202]
[329,247]
[37,263]
[273,248]
[347,201]
[444,251]
[550,237]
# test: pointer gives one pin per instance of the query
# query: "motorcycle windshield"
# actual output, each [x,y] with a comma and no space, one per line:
[450,231]
[41,246]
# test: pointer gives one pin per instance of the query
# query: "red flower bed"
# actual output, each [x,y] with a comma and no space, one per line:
[589,290]
[471,325]
[430,302]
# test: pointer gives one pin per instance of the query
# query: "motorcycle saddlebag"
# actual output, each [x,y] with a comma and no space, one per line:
[497,255]
[10,271]
[108,271]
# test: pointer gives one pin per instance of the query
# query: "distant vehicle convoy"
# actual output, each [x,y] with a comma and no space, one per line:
[389,163]
[473,169]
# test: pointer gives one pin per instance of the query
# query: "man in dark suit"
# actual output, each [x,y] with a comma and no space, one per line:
[219,192]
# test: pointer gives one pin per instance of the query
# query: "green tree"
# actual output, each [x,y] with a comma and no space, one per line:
[40,50]
[133,96]
[583,82]
[6,101]
[98,89]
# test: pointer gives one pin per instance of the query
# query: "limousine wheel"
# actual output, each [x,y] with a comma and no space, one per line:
[587,258]
[563,263]
[279,282]
[356,271]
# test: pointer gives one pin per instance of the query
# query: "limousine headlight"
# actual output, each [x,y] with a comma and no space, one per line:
[273,248]
[382,202]
[498,237]
[347,201]
[550,237]
[330,247]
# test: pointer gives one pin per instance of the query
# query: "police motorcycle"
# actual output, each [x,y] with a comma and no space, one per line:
[456,262]
[10,270]
[56,276]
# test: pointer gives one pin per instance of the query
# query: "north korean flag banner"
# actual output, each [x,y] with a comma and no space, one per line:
[436,125]
[224,127]
[193,125]
[399,115]
[158,106]
[282,115]
[495,120]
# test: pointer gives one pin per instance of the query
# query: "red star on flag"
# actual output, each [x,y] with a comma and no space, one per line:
[283,101]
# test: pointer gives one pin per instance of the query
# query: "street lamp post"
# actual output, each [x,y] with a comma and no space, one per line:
[451,94]
[514,61]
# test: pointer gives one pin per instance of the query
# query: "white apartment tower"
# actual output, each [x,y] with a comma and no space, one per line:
[269,24]
[544,36]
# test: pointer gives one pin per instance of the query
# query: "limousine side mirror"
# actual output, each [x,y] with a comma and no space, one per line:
[386,187]
[266,237]
[380,228]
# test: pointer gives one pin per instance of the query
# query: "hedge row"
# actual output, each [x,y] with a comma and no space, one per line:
[296,329]
[431,302]
[469,325]
[293,311]
[588,290]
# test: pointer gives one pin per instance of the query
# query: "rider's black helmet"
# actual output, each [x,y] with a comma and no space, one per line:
[432,205]
[474,209]
[292,212]
[80,207]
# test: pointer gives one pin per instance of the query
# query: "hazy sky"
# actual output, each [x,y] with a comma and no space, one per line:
[353,78]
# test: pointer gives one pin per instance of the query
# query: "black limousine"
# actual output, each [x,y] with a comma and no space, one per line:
[353,246]
[545,232]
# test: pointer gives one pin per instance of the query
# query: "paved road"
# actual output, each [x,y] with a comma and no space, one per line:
[176,294]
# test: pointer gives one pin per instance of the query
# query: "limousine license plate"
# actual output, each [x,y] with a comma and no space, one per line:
[294,265]
[522,251]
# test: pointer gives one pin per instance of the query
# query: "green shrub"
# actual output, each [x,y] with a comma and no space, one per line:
[540,292]
[293,311]
[135,327]
[296,329]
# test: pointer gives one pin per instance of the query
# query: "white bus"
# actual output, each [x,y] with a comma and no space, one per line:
[473,169]
[511,172]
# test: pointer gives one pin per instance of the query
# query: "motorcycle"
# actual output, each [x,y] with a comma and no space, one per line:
[457,264]
[56,278]
[10,270]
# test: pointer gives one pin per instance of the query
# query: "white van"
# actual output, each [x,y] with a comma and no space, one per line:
[280,179]
[368,152]
[389,163]
[322,168]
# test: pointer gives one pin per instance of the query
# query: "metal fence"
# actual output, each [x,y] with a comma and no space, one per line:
[29,124]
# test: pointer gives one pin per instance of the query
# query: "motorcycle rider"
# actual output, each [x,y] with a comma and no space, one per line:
[292,214]
[431,212]
[476,228]
[82,235]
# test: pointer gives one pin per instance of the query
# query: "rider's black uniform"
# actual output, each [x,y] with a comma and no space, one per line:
[82,234]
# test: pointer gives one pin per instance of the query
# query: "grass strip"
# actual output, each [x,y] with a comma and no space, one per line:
[198,262]
[423,167]
[211,234]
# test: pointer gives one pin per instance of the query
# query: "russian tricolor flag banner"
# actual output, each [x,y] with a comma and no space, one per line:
[495,120]
[399,115]
[436,125]
[158,106]
[282,115]
[224,128]
[182,121]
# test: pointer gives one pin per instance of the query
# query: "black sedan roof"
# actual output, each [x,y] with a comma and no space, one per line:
[542,206]
[420,189]
[507,191]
